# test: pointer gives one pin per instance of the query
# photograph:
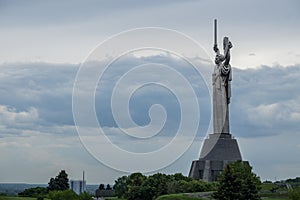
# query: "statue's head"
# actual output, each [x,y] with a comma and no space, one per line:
[219,58]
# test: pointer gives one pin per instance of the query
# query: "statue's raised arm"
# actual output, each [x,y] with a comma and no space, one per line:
[226,46]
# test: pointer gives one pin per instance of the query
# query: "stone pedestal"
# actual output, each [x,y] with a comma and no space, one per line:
[217,151]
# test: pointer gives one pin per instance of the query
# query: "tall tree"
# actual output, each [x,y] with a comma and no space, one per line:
[134,183]
[237,181]
[101,186]
[120,186]
[60,182]
[108,187]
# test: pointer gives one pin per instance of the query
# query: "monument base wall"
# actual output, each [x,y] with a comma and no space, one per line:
[217,151]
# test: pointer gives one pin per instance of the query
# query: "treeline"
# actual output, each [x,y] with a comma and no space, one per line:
[41,193]
[140,187]
[58,189]
[237,181]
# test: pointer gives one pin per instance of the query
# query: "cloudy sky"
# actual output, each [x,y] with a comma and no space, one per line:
[44,43]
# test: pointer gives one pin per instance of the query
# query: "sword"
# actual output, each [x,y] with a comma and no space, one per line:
[215,31]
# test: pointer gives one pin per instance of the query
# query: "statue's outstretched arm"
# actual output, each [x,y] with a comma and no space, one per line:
[227,58]
[227,47]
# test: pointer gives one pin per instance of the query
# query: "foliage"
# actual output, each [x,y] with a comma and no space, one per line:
[295,180]
[16,198]
[60,182]
[104,193]
[135,190]
[237,181]
[34,192]
[63,195]
[69,195]
[108,187]
[101,186]
[294,194]
[137,186]
[85,196]
[120,186]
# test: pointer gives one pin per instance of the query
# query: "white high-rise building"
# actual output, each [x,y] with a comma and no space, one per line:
[78,186]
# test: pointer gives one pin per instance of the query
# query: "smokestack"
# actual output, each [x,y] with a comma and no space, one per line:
[83,183]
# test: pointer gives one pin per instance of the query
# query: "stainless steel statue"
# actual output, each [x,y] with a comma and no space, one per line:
[219,148]
[221,79]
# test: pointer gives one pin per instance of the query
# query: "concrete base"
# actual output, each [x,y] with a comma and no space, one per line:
[217,151]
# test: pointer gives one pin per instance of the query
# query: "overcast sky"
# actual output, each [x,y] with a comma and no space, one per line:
[43,44]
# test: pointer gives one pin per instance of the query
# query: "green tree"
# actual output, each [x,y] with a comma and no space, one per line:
[120,186]
[137,186]
[101,186]
[155,186]
[134,189]
[237,181]
[179,176]
[108,187]
[34,192]
[60,182]
[294,194]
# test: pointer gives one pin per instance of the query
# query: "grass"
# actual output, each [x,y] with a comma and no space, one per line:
[266,194]
[268,186]
[17,198]
[176,197]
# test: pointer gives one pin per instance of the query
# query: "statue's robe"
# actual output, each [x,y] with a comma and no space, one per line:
[221,98]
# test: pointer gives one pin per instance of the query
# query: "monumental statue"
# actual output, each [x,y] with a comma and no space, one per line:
[220,147]
[221,80]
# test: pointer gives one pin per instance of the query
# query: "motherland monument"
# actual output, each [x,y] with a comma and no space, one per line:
[220,148]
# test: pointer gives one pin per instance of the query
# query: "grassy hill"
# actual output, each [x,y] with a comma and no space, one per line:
[176,197]
[17,198]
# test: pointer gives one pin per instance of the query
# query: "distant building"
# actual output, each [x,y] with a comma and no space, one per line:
[78,186]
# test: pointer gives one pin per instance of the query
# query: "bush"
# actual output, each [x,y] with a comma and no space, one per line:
[294,194]
[63,195]
[85,196]
[34,192]
[68,195]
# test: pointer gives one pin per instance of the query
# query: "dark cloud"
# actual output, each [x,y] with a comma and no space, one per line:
[34,96]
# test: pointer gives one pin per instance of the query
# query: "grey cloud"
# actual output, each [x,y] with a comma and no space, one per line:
[265,103]
[39,91]
[56,13]
[264,99]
